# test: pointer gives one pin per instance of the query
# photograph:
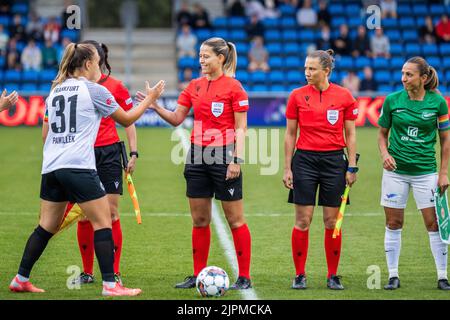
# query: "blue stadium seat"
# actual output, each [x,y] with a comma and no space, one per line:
[386,88]
[288,23]
[382,76]
[222,33]
[345,63]
[404,10]
[393,35]
[29,88]
[396,49]
[242,62]
[2,62]
[446,63]
[335,76]
[11,87]
[45,87]
[362,62]
[294,76]
[47,75]
[380,63]
[293,62]
[5,21]
[353,10]
[237,22]
[336,9]
[276,77]
[238,35]
[278,88]
[20,8]
[430,49]
[187,62]
[272,36]
[270,23]
[242,75]
[291,48]
[389,23]
[447,77]
[274,48]
[397,63]
[30,76]
[306,35]
[437,9]
[337,21]
[434,61]
[259,88]
[258,77]
[412,49]
[12,76]
[407,22]
[410,35]
[276,63]
[293,86]
[73,35]
[398,87]
[420,9]
[220,22]
[287,10]
[289,35]
[203,34]
[354,22]
[444,48]
[242,47]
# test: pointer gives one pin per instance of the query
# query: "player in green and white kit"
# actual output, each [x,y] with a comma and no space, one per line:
[413,117]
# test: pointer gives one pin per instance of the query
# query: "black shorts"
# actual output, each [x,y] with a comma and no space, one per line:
[325,170]
[109,167]
[73,185]
[205,172]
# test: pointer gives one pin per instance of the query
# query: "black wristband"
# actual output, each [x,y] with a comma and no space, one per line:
[238,160]
[134,153]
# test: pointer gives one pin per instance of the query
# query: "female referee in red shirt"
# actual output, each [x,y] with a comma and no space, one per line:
[109,169]
[323,112]
[217,144]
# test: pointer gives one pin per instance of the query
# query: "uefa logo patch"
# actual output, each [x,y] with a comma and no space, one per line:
[217,108]
[332,116]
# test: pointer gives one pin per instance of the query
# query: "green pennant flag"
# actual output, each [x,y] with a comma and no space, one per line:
[443,219]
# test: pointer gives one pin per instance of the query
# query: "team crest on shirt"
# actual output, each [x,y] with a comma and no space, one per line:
[217,108]
[332,116]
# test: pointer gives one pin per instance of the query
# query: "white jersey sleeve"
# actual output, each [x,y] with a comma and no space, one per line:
[102,99]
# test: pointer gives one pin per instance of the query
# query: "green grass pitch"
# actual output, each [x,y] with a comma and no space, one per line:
[157,254]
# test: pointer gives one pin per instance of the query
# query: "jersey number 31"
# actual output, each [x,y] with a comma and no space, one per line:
[59,102]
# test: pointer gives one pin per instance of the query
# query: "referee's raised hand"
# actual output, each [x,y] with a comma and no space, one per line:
[154,92]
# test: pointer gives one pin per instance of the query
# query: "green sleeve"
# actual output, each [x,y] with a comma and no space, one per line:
[443,108]
[385,115]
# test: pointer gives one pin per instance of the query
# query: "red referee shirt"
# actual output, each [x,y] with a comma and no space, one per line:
[215,103]
[107,133]
[321,115]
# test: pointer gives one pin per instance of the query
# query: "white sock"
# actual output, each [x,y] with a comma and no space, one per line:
[110,285]
[22,278]
[439,250]
[392,246]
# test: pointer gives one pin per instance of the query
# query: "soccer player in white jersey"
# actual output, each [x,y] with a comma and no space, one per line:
[75,107]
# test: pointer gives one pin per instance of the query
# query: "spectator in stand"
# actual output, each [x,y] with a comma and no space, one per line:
[351,82]
[324,15]
[236,9]
[17,29]
[52,30]
[324,42]
[361,44]
[4,38]
[368,83]
[13,56]
[186,42]
[254,28]
[35,28]
[49,56]
[388,9]
[31,57]
[5,7]
[443,29]
[342,44]
[184,16]
[254,7]
[200,18]
[187,77]
[306,15]
[258,56]
[380,45]
[427,32]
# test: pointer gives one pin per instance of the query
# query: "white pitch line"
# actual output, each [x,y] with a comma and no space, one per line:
[221,230]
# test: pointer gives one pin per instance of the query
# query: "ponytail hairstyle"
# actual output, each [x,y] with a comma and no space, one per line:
[103,51]
[75,56]
[432,81]
[326,59]
[228,50]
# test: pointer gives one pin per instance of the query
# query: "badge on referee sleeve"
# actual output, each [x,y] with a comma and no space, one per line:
[441,205]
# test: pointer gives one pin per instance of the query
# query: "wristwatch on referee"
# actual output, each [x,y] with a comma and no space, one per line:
[352,169]
[134,153]
[238,160]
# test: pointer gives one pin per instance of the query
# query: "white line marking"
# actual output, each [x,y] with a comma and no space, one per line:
[221,230]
